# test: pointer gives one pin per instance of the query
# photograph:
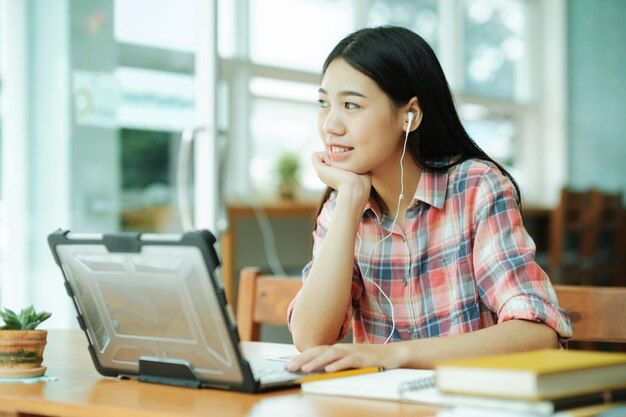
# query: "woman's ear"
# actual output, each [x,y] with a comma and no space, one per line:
[413,107]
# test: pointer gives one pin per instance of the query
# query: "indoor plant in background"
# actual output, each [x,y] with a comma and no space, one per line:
[21,345]
[288,174]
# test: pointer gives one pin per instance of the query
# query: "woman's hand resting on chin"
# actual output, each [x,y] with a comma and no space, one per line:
[340,179]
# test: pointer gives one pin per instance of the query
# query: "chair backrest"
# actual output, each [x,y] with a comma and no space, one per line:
[263,299]
[606,240]
[598,314]
[570,223]
[607,212]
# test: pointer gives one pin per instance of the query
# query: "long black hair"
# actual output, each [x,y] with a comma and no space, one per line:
[404,66]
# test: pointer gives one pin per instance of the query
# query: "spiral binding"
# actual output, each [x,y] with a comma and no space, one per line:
[417,384]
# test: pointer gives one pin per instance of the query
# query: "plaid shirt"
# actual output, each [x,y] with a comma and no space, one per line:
[463,262]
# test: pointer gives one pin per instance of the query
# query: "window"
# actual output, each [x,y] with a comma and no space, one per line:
[99,92]
[496,132]
[156,23]
[147,164]
[2,233]
[496,79]
[297,34]
[421,17]
[1,87]
[271,68]
[156,100]
[281,123]
[155,83]
[496,58]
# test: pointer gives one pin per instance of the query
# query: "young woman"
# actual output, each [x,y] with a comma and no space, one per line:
[419,239]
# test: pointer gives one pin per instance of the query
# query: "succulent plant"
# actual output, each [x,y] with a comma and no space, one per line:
[27,319]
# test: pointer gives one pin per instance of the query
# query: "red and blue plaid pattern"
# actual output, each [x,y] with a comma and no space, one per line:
[463,262]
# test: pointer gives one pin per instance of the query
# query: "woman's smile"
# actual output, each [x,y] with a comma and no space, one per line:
[339,152]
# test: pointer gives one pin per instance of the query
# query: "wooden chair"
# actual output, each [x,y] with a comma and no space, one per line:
[598,314]
[263,299]
[569,250]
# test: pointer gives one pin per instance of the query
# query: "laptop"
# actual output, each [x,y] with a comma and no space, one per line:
[153,308]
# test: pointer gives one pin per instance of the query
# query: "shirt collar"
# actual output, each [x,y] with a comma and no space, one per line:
[373,205]
[431,189]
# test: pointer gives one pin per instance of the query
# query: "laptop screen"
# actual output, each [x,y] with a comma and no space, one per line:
[158,300]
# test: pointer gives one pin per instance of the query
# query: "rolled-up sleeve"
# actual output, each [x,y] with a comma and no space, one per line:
[322,225]
[510,283]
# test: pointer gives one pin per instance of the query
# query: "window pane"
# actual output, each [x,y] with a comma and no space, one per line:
[287,90]
[158,23]
[494,132]
[1,87]
[226,25]
[2,229]
[280,126]
[155,100]
[297,33]
[496,48]
[147,174]
[421,16]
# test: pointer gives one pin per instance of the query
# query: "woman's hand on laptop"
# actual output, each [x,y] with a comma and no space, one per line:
[343,356]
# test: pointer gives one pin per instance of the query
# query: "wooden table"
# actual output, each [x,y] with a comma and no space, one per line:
[81,391]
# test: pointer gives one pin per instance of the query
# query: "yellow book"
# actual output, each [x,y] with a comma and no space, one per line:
[536,375]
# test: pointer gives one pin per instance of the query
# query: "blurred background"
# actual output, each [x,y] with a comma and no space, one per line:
[95,97]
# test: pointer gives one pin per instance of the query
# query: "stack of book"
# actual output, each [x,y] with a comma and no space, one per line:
[542,382]
[538,383]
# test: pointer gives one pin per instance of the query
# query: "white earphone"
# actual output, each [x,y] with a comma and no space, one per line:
[410,116]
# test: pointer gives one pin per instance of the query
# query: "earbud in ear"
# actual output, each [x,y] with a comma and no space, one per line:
[410,116]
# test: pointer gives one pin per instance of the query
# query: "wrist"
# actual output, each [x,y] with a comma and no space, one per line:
[396,355]
[353,196]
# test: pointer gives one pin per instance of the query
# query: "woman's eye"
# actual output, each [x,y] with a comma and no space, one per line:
[351,106]
[323,103]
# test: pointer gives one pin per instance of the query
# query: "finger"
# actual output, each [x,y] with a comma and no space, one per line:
[318,156]
[296,363]
[321,159]
[317,162]
[346,362]
[319,362]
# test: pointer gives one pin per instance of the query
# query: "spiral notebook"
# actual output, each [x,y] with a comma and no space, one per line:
[416,385]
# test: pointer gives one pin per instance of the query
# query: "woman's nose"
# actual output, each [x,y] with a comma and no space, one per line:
[332,124]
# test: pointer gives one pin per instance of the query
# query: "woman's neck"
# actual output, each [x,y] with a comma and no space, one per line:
[386,183]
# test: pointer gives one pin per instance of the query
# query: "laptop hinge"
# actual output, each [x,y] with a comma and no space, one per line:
[167,371]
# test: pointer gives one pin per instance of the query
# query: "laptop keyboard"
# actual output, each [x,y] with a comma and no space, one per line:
[267,370]
[277,374]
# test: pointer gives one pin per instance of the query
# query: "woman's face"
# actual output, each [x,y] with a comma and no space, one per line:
[359,124]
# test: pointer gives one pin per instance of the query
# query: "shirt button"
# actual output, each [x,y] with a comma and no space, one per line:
[405,282]
[409,329]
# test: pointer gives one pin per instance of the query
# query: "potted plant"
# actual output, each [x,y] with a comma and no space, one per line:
[21,345]
[288,174]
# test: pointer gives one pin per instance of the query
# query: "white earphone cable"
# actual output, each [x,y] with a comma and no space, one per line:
[395,219]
